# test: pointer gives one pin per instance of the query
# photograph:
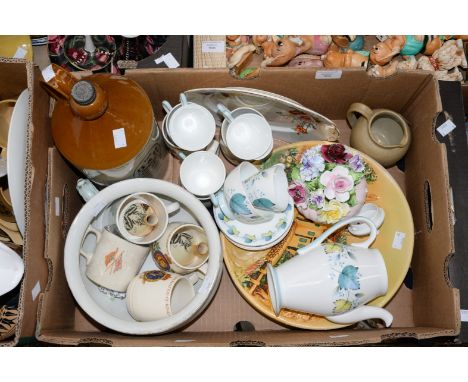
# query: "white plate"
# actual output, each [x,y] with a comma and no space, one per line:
[289,120]
[256,237]
[112,312]
[16,156]
[11,269]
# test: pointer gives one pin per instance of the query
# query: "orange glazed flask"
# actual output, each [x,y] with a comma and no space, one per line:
[104,125]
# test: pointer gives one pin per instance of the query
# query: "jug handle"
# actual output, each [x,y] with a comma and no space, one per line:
[337,226]
[61,84]
[358,108]
[361,313]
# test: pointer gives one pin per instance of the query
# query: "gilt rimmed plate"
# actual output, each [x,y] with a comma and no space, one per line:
[289,120]
[395,241]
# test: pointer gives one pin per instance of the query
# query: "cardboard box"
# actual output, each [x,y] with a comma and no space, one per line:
[457,155]
[15,76]
[428,308]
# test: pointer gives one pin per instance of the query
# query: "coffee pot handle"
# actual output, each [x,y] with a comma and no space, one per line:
[98,234]
[358,108]
[336,227]
[58,82]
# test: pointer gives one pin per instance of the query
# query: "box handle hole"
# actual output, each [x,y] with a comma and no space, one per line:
[428,206]
[244,326]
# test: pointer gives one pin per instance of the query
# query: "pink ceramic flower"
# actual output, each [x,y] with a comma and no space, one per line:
[337,183]
[335,153]
[298,193]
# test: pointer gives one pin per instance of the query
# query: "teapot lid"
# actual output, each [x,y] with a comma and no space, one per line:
[114,138]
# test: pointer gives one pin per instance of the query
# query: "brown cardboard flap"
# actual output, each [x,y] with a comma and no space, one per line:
[63,203]
[296,84]
[240,339]
[38,141]
[428,195]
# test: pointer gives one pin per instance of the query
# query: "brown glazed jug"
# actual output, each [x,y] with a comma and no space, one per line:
[104,125]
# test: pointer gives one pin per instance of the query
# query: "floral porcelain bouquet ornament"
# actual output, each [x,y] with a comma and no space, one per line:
[328,182]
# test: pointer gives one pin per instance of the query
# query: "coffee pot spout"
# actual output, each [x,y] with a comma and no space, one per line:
[363,313]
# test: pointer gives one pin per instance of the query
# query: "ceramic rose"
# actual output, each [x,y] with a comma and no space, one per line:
[327,182]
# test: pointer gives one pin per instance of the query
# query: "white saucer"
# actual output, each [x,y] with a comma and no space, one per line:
[256,237]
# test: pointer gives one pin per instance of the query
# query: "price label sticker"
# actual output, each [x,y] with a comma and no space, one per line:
[328,74]
[48,73]
[446,128]
[398,240]
[119,138]
[20,52]
[213,46]
[36,290]
[464,315]
[57,206]
[169,60]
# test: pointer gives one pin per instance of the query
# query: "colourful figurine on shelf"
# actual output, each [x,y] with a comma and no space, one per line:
[281,50]
[349,59]
[352,42]
[383,54]
[305,61]
[445,61]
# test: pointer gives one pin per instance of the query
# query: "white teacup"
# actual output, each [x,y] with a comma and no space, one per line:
[202,173]
[268,189]
[191,126]
[182,249]
[224,147]
[155,295]
[114,261]
[248,135]
[142,218]
[233,199]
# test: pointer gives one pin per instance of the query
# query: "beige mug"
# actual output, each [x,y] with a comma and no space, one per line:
[114,262]
[142,217]
[382,134]
[154,295]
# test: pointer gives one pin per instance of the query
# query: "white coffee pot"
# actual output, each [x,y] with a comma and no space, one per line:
[332,280]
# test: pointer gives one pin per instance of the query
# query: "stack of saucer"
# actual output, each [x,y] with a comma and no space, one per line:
[254,209]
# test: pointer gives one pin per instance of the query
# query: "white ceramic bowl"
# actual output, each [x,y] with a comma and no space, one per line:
[249,136]
[191,127]
[11,269]
[202,173]
[112,313]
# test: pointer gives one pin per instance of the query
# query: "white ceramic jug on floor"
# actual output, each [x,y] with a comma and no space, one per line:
[332,280]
